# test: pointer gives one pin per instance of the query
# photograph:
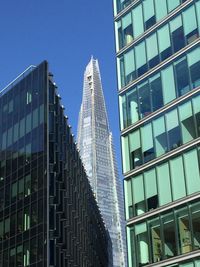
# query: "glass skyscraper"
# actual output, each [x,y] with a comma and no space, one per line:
[48,214]
[158,66]
[97,153]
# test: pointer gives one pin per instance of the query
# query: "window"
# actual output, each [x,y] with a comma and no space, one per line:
[190,25]
[182,76]
[151,189]
[138,195]
[161,9]
[141,61]
[152,50]
[149,13]
[27,185]
[127,28]
[132,107]
[164,184]
[187,122]
[26,254]
[156,245]
[192,171]
[135,149]
[142,245]
[26,218]
[160,136]
[169,236]
[196,225]
[185,244]
[125,152]
[147,143]
[177,33]
[177,178]
[129,60]
[173,129]
[194,65]
[144,98]
[156,91]
[164,42]
[128,199]
[138,24]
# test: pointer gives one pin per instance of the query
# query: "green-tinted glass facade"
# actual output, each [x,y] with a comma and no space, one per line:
[48,214]
[158,67]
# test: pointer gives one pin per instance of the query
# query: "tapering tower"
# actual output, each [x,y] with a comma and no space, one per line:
[97,153]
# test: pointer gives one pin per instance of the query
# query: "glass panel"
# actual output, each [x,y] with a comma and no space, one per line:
[185,244]
[149,13]
[138,25]
[128,199]
[194,66]
[151,189]
[177,33]
[177,178]
[192,171]
[187,122]
[172,4]
[156,245]
[135,149]
[141,61]
[182,76]
[169,92]
[161,9]
[147,143]
[125,153]
[190,24]
[164,184]
[156,91]
[196,225]
[127,29]
[198,13]
[142,245]
[152,50]
[160,136]
[144,98]
[132,105]
[164,42]
[196,108]
[138,195]
[129,60]
[169,236]
[173,129]
[123,112]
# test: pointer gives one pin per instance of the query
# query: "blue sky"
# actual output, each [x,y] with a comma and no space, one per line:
[66,34]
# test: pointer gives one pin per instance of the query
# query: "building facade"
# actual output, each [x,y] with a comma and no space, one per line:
[158,66]
[48,214]
[97,153]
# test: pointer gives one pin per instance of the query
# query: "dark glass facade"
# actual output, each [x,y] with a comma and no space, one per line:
[48,214]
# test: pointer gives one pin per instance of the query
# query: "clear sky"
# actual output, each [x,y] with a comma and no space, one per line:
[66,34]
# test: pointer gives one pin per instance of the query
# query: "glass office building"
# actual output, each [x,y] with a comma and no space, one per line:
[48,214]
[98,156]
[158,66]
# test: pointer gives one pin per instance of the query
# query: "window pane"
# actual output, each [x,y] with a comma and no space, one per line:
[132,105]
[177,33]
[144,96]
[182,76]
[156,91]
[152,50]
[141,60]
[149,13]
[174,136]
[164,184]
[161,9]
[185,244]
[194,66]
[187,122]
[129,66]
[125,153]
[177,178]
[169,236]
[128,199]
[192,171]
[164,42]
[190,24]
[155,233]
[127,28]
[138,195]
[138,25]
[135,149]
[147,143]
[196,225]
[168,85]
[142,245]
[172,4]
[160,136]
[196,108]
[151,189]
